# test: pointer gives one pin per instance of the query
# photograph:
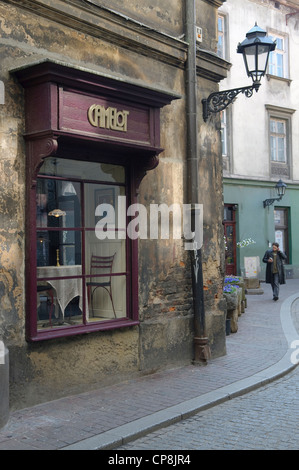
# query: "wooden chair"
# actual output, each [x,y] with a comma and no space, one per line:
[100,270]
[49,289]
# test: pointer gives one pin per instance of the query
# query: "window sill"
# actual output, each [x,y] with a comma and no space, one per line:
[81,329]
[282,79]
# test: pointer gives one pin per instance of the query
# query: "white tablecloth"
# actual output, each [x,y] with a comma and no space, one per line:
[66,289]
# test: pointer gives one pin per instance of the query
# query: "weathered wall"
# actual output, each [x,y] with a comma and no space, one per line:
[210,184]
[210,193]
[166,17]
[54,368]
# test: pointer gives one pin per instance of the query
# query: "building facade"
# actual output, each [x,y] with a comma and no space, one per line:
[96,126]
[260,136]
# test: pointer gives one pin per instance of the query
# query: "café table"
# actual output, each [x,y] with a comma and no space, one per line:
[66,289]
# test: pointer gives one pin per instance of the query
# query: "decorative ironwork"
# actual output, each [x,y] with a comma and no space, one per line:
[269,202]
[219,100]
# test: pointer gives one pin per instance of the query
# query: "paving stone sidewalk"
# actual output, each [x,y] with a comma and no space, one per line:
[101,419]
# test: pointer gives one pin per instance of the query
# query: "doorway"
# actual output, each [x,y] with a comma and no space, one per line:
[281,217]
[230,236]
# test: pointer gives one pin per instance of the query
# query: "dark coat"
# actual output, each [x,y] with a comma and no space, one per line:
[280,266]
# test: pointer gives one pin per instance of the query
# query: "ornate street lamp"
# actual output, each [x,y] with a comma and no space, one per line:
[280,189]
[255,49]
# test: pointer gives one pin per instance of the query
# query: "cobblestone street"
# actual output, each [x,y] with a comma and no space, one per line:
[266,419]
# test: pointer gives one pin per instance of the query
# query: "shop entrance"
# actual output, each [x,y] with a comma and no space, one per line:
[230,236]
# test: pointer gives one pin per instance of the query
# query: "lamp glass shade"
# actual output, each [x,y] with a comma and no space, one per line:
[255,50]
[281,188]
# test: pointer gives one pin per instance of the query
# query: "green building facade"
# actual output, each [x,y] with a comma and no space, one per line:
[264,225]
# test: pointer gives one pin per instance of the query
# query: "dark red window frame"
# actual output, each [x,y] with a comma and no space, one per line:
[131,277]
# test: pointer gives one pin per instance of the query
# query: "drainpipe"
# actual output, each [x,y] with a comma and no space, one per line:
[201,346]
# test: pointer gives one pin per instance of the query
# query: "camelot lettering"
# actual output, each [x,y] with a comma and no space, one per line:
[108,118]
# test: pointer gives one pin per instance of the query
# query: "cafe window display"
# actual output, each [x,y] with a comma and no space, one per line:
[82,275]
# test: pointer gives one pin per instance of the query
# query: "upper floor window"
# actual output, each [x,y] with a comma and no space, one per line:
[221,46]
[278,140]
[225,140]
[223,133]
[278,60]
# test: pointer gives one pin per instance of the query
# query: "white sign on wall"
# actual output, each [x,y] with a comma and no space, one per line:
[252,266]
[279,239]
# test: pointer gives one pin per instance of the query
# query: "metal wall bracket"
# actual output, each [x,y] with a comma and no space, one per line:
[219,100]
[269,202]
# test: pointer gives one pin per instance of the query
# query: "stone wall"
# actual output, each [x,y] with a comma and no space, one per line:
[143,44]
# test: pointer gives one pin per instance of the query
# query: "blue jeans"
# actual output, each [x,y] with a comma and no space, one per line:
[275,285]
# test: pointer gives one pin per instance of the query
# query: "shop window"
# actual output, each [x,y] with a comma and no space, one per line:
[85,272]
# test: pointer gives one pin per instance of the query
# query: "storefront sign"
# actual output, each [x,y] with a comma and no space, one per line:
[76,103]
[108,118]
[104,118]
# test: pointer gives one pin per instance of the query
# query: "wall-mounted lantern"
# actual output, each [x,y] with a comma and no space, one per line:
[280,189]
[255,49]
